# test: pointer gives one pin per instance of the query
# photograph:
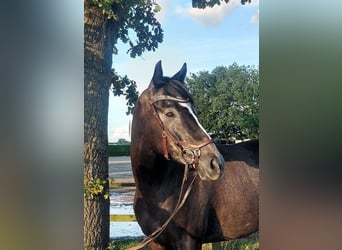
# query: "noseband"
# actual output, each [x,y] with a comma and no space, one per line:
[190,152]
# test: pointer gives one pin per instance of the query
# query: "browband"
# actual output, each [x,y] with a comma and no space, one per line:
[168,98]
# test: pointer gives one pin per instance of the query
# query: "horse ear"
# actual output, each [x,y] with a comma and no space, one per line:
[157,75]
[180,75]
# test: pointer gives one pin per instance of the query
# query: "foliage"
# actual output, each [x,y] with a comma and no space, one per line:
[128,88]
[106,6]
[227,101]
[135,24]
[201,4]
[123,141]
[134,16]
[119,150]
[95,187]
[140,18]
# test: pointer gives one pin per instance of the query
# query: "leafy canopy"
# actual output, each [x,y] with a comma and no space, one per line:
[135,24]
[227,101]
[201,4]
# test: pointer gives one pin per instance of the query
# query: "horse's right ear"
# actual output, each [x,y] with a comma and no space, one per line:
[157,78]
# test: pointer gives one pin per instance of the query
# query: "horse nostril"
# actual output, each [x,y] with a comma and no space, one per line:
[214,165]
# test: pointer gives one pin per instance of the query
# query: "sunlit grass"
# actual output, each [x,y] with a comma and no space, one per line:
[123,244]
[249,243]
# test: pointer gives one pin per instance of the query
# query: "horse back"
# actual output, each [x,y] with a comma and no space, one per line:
[245,151]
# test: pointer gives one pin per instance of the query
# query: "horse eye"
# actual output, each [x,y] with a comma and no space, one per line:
[170,114]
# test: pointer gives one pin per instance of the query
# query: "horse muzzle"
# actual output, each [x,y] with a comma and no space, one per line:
[211,168]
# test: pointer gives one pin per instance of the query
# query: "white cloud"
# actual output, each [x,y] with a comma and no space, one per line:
[164,4]
[255,18]
[210,16]
[118,133]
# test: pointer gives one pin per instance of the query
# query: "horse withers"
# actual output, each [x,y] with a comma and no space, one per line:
[169,149]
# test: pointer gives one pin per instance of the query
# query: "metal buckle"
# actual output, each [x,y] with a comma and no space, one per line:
[188,155]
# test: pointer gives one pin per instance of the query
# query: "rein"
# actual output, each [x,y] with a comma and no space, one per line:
[190,154]
[179,205]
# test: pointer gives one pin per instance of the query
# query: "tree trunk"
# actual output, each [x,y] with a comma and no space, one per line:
[98,44]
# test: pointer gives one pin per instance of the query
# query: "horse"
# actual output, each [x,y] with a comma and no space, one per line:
[169,150]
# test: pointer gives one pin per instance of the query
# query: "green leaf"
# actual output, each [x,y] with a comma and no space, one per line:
[227,101]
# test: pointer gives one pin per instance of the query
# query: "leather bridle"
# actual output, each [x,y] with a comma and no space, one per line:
[190,152]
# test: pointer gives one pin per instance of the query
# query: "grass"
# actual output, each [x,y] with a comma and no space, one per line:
[249,243]
[123,244]
[114,184]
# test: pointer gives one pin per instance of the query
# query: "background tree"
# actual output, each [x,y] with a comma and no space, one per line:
[105,22]
[227,101]
[122,141]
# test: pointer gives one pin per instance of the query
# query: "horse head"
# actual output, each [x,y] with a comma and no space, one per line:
[168,125]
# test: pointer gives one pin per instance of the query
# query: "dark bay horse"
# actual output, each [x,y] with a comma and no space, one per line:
[169,149]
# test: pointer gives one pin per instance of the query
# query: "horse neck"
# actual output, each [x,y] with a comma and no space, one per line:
[159,182]
[142,134]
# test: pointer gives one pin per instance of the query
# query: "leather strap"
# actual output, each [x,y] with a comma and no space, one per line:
[181,146]
[180,203]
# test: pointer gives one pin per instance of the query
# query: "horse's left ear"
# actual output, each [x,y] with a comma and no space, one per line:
[180,75]
[157,78]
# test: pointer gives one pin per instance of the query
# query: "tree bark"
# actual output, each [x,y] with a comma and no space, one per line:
[98,46]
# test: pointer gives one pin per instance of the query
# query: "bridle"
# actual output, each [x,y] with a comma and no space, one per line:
[190,152]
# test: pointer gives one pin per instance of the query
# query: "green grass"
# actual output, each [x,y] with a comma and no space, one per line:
[123,244]
[249,243]
[114,184]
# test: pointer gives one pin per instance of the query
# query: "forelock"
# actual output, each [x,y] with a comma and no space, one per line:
[178,89]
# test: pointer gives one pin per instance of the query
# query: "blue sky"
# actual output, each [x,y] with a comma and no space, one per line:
[203,39]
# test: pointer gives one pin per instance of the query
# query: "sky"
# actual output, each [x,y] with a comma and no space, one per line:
[204,39]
